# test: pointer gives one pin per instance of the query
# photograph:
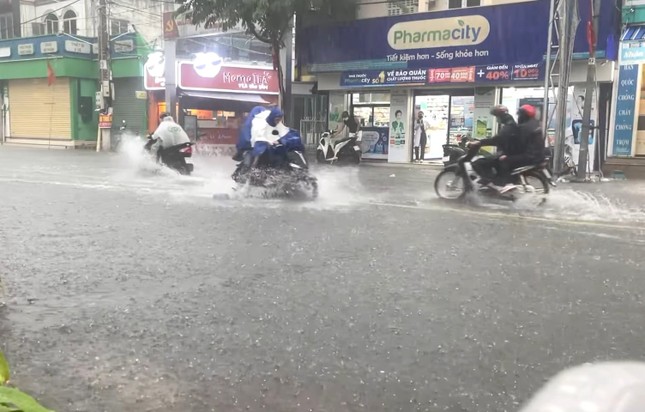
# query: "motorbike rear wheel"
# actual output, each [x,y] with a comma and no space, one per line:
[320,156]
[449,186]
[536,190]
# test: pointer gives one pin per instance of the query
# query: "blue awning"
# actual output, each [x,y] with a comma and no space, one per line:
[634,33]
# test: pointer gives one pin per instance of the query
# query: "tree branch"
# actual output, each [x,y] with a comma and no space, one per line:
[251,28]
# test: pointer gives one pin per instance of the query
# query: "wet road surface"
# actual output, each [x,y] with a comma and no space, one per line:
[130,291]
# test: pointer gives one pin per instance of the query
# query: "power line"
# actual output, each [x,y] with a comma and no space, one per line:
[49,12]
[135,9]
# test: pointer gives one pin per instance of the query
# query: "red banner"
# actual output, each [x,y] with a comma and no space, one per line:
[229,79]
[170,29]
[453,75]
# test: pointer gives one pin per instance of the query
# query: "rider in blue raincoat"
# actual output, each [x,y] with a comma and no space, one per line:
[244,139]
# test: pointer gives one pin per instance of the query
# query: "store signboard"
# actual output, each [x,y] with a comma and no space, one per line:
[507,34]
[468,74]
[375,142]
[224,78]
[376,78]
[154,71]
[625,118]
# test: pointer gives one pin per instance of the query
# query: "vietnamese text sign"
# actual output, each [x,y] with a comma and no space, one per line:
[512,34]
[230,79]
[625,109]
[383,78]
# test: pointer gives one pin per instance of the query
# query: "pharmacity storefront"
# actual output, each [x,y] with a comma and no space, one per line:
[452,65]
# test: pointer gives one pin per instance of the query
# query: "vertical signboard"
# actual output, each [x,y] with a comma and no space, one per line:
[625,116]
[399,128]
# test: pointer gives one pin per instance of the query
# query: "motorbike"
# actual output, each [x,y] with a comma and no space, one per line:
[453,152]
[570,167]
[463,177]
[174,157]
[282,171]
[343,150]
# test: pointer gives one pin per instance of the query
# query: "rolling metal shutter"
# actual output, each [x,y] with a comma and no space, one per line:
[40,111]
[127,107]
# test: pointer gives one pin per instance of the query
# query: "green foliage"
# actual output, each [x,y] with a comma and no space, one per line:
[268,20]
[13,400]
[5,375]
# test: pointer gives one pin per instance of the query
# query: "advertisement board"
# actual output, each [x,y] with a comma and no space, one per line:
[505,41]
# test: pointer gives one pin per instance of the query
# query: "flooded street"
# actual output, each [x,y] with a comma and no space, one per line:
[128,289]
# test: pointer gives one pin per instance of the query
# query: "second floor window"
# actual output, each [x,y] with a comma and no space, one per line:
[6,26]
[69,22]
[51,24]
[458,4]
[397,7]
[118,27]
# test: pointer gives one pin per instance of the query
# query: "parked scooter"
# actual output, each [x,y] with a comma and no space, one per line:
[331,150]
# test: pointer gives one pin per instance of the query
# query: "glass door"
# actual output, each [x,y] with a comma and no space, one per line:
[461,118]
[436,113]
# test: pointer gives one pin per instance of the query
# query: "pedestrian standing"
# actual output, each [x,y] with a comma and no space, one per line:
[420,137]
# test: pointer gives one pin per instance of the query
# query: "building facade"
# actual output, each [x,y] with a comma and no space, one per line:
[627,133]
[452,60]
[49,69]
[218,78]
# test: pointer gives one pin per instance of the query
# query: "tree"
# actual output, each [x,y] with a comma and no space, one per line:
[268,20]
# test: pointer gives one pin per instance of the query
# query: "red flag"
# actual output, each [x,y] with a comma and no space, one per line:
[51,75]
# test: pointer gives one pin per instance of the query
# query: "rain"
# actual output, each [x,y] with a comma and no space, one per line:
[127,286]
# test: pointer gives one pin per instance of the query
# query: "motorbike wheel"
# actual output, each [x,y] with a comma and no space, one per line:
[538,187]
[357,157]
[320,156]
[449,186]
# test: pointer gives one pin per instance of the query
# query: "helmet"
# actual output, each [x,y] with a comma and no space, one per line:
[527,111]
[499,111]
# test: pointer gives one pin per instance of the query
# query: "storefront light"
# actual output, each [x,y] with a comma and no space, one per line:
[207,64]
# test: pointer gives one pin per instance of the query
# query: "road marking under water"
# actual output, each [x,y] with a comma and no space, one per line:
[638,226]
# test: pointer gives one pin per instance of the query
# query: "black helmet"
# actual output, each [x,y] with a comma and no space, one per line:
[499,111]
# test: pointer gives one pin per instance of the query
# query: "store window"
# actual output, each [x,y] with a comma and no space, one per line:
[6,26]
[69,22]
[398,7]
[51,24]
[459,4]
[118,27]
[372,110]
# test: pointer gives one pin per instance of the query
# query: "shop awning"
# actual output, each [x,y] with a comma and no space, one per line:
[634,33]
[234,102]
[233,97]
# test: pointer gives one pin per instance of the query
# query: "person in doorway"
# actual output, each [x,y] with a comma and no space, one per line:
[420,137]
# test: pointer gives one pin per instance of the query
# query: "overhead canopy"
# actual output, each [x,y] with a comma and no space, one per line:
[634,33]
[222,101]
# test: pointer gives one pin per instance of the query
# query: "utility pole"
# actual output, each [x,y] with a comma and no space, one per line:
[104,58]
[586,132]
[170,56]
[567,26]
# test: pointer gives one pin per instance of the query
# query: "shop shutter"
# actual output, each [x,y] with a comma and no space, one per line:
[127,107]
[40,111]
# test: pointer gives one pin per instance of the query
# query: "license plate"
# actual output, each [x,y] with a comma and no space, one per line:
[358,149]
[445,158]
